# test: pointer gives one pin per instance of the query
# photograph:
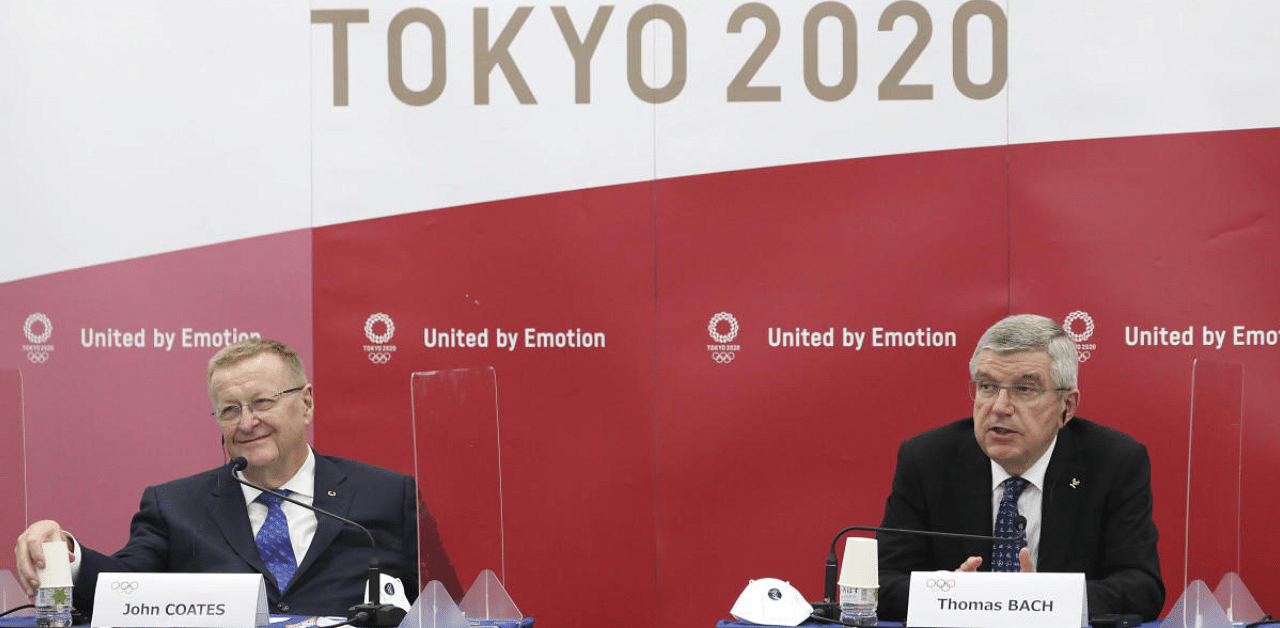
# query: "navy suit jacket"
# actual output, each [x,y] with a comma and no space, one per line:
[1096,515]
[201,524]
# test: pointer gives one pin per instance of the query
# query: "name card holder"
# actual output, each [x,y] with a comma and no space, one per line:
[180,600]
[997,600]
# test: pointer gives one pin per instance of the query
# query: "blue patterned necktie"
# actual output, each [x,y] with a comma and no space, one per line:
[274,545]
[1004,555]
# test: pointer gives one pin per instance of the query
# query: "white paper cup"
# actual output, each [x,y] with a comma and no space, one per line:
[57,566]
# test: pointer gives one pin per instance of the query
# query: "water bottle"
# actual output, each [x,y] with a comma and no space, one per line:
[53,598]
[858,605]
[859,582]
[53,607]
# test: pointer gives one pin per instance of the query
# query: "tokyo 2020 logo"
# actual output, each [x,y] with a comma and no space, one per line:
[38,328]
[1079,327]
[723,328]
[379,351]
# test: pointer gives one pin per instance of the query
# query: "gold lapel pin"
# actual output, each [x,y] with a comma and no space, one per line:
[1075,483]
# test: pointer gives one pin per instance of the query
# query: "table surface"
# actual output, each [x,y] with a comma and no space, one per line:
[277,621]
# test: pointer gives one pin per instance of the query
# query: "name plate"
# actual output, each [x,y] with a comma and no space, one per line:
[180,600]
[992,600]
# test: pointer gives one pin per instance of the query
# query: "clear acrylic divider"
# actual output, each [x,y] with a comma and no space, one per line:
[434,609]
[1196,609]
[487,600]
[1214,498]
[457,461]
[13,482]
[12,596]
[1235,599]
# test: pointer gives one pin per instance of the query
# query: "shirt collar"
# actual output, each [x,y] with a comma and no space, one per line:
[303,483]
[1034,475]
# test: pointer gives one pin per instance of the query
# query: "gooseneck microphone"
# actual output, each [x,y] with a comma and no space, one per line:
[830,608]
[371,614]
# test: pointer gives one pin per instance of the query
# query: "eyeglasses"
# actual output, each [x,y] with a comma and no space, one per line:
[1018,393]
[232,413]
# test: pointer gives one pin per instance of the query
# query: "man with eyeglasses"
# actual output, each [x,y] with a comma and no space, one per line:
[312,564]
[1076,494]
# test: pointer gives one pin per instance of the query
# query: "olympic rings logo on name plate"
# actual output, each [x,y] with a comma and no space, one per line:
[124,586]
[940,585]
[38,357]
[379,357]
[722,357]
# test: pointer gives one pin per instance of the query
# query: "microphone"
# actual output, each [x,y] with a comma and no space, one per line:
[829,607]
[371,614]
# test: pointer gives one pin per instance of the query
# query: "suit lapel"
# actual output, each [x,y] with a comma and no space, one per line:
[330,495]
[227,509]
[973,507]
[1065,483]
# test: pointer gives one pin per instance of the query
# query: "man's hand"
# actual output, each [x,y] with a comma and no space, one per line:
[1024,562]
[30,551]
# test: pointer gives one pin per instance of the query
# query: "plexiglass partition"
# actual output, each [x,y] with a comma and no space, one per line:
[1214,502]
[458,467]
[1213,471]
[13,483]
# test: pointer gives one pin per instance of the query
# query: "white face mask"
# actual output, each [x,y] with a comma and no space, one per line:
[771,602]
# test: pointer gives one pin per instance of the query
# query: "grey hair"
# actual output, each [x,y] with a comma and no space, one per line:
[1032,332]
[245,349]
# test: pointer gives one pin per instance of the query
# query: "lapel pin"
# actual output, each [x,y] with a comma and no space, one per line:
[333,493]
[1075,483]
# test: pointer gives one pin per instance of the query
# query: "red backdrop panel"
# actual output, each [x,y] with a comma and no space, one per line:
[103,421]
[695,475]
[576,424]
[1177,233]
[762,459]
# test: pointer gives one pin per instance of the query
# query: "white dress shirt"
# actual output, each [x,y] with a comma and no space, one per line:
[302,521]
[1029,501]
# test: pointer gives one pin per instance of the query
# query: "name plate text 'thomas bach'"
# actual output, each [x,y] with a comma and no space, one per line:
[992,600]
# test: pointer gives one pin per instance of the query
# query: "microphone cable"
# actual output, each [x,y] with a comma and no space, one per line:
[16,609]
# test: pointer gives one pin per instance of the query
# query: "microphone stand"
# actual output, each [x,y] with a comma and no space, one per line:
[829,607]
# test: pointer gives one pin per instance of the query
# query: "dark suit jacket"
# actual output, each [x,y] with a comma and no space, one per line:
[1096,515]
[201,524]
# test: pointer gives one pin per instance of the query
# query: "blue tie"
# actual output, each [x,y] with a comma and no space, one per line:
[274,545]
[1004,555]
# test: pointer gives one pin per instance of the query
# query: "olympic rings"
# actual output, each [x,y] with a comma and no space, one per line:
[722,357]
[379,358]
[940,584]
[125,587]
[38,357]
